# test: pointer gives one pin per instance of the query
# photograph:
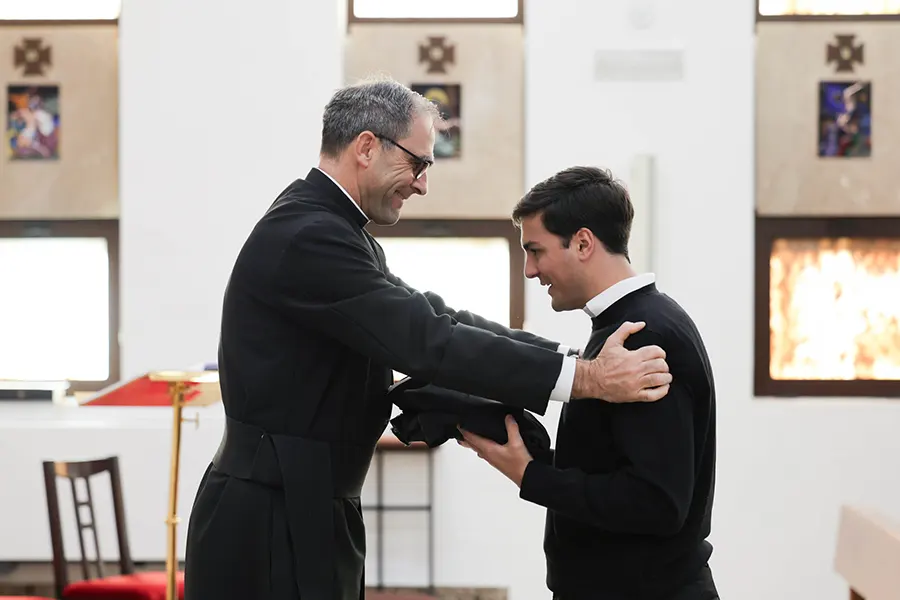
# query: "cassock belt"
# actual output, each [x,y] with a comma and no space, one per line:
[311,474]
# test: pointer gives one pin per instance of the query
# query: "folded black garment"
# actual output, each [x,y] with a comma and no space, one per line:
[431,414]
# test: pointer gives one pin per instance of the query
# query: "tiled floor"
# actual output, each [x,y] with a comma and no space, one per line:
[37,579]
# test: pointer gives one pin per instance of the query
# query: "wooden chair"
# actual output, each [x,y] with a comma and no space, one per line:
[128,584]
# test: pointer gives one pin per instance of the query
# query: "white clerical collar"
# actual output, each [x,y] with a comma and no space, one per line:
[340,187]
[610,295]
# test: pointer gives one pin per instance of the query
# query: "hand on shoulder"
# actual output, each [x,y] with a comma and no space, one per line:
[620,375]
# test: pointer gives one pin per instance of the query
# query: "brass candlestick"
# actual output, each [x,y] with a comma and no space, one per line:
[180,383]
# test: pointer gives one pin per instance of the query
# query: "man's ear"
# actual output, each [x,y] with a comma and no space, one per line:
[584,242]
[364,148]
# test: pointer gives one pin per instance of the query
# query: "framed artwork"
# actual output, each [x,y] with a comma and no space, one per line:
[32,122]
[448,142]
[845,119]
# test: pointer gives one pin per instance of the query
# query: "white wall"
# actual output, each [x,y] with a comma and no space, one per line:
[221,107]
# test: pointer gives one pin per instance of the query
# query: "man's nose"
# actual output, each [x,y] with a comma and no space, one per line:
[530,270]
[420,185]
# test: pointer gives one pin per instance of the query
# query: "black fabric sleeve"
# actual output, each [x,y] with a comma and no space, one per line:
[328,281]
[545,457]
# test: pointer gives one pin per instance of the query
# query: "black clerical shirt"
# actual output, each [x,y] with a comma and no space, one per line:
[629,488]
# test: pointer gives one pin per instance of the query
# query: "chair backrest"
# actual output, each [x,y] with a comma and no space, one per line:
[84,470]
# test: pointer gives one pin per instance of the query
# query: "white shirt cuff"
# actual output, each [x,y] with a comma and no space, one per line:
[563,390]
[563,349]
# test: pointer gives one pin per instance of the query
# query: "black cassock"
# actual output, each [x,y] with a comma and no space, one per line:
[313,323]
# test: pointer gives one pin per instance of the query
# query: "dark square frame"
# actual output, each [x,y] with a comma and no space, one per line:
[768,229]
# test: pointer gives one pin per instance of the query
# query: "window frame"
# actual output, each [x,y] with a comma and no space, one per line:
[65,21]
[518,19]
[769,229]
[107,229]
[761,18]
[56,22]
[471,228]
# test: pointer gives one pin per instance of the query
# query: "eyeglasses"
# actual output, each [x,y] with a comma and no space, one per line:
[420,164]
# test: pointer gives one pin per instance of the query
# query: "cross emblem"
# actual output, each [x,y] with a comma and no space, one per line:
[844,53]
[437,54]
[33,55]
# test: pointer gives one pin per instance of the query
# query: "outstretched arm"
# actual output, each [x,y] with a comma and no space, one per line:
[327,281]
[469,318]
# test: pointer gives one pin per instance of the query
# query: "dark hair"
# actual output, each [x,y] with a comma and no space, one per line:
[581,197]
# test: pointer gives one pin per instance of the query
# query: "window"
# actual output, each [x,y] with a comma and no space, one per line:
[800,9]
[827,319]
[58,307]
[468,273]
[417,10]
[473,265]
[60,10]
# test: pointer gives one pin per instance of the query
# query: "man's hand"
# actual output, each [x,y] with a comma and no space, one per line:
[510,459]
[620,375]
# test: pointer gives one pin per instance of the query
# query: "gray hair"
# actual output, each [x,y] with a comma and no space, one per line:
[380,105]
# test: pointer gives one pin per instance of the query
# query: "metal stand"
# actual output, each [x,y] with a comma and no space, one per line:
[176,389]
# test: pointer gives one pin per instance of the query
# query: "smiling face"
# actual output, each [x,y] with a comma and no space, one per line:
[389,176]
[555,265]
